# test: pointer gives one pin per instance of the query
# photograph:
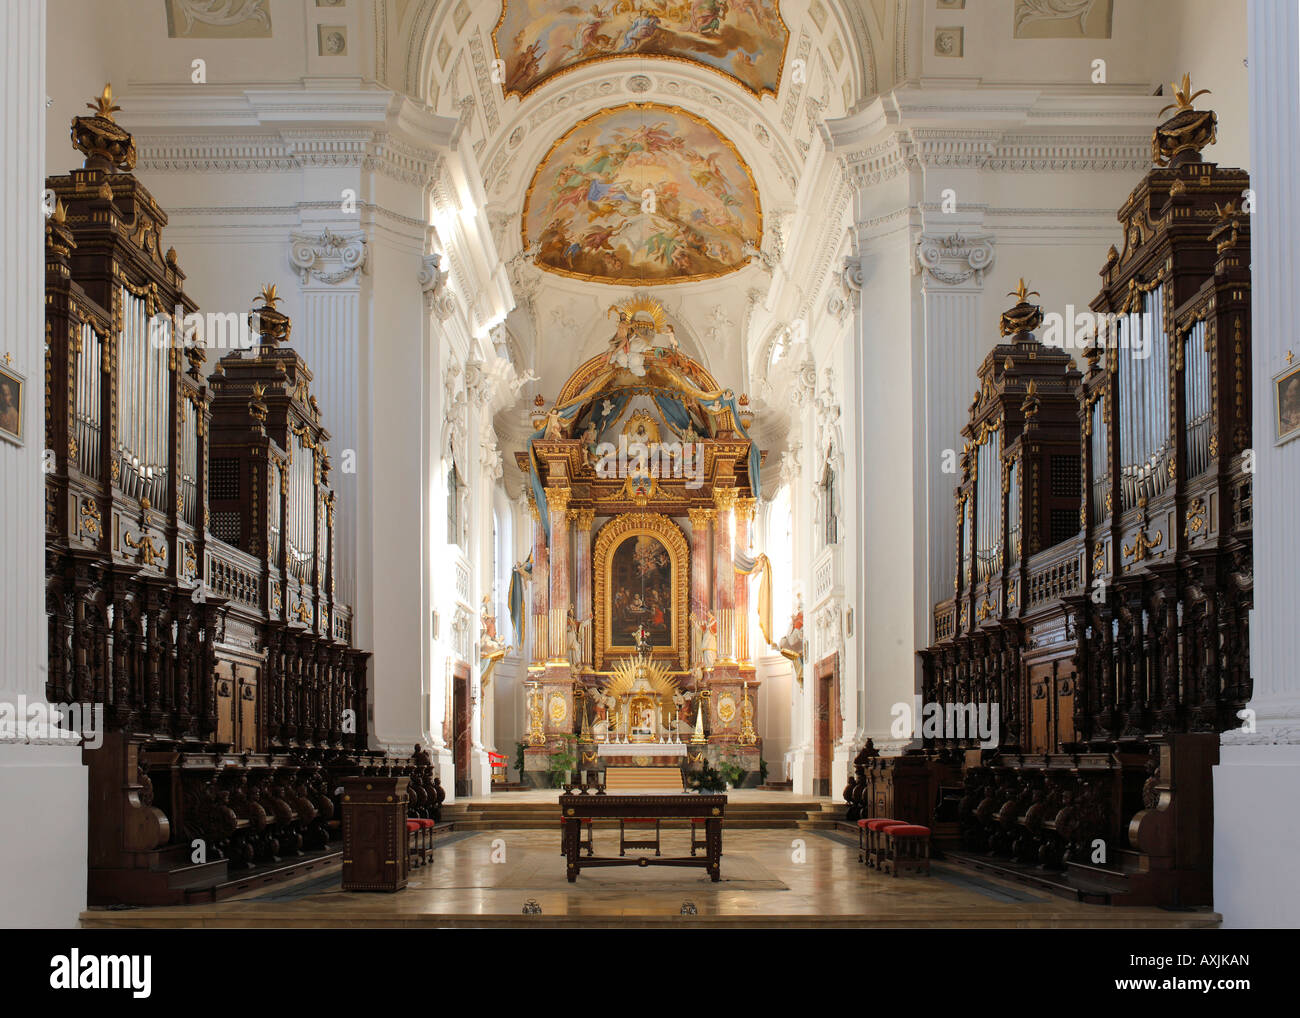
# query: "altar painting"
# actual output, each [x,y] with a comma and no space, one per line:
[641,591]
[640,576]
[743,39]
[642,193]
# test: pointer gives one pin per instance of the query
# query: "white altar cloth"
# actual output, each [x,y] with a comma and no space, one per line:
[619,749]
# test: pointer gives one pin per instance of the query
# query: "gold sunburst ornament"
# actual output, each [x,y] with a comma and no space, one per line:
[631,307]
[641,674]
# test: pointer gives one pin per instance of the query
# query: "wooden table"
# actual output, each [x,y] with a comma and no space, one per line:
[575,809]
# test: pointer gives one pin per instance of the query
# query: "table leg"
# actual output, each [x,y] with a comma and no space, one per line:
[713,828]
[572,836]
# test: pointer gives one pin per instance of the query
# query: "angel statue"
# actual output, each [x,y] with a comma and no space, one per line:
[792,645]
[555,425]
[576,639]
[491,648]
[627,349]
[705,633]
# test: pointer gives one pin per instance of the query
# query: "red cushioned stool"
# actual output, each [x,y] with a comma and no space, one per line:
[876,840]
[419,841]
[907,849]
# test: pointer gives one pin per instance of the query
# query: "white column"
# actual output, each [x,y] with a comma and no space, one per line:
[327,335]
[886,540]
[954,341]
[1257,783]
[42,858]
[394,487]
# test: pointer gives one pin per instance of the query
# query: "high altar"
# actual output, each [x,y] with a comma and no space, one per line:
[641,481]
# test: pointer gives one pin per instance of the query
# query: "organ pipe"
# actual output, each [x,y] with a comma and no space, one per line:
[1143,369]
[1196,396]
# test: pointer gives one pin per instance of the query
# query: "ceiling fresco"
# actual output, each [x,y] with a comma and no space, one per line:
[645,194]
[743,39]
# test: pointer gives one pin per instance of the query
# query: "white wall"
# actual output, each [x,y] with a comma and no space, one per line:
[42,786]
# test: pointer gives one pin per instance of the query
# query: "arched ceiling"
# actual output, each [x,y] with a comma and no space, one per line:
[743,39]
[733,94]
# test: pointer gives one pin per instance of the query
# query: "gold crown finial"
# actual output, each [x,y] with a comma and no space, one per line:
[268,296]
[1183,95]
[103,104]
[1022,293]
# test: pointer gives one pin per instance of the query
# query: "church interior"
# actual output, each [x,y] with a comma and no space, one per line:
[607,463]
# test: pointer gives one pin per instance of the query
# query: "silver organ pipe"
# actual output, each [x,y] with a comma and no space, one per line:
[144,405]
[988,506]
[1143,367]
[88,411]
[1100,465]
[1013,512]
[189,461]
[967,510]
[302,509]
[273,503]
[1196,399]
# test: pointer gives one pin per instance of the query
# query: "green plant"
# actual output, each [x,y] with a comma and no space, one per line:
[519,759]
[563,761]
[732,773]
[707,780]
[762,771]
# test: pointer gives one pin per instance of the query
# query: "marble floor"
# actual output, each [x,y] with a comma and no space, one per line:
[774,878]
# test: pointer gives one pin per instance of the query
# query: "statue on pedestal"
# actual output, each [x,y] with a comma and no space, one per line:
[705,631]
[576,639]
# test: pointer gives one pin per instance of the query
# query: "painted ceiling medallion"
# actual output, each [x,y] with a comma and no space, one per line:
[644,194]
[743,39]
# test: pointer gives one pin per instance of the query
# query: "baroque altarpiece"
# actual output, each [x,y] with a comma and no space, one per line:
[641,483]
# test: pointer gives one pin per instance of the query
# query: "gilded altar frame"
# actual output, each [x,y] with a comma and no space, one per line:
[611,537]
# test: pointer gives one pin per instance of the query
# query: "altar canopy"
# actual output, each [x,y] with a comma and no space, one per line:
[642,488]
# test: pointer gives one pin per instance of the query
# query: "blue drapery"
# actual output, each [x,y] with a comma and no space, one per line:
[674,411]
[755,457]
[518,617]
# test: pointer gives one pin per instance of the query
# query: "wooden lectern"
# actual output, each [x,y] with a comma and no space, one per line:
[374,834]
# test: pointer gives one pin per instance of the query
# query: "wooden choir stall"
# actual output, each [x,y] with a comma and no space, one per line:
[1103,574]
[190,562]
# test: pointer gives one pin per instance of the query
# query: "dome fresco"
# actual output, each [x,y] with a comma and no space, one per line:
[642,193]
[743,39]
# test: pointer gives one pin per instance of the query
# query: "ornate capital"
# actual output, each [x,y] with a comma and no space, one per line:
[725,498]
[955,259]
[582,519]
[701,519]
[328,257]
[433,278]
[557,500]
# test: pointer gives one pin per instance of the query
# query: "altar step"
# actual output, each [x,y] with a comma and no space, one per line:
[544,815]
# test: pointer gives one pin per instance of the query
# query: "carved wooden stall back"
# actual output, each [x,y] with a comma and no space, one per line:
[1104,564]
[189,551]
